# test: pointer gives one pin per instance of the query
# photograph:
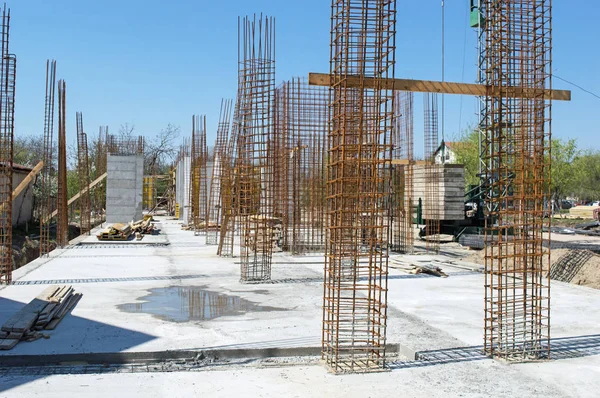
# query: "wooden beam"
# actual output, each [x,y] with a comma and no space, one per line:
[426,86]
[78,194]
[26,181]
[407,162]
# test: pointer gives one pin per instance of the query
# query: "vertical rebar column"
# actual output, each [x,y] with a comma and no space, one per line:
[194,193]
[257,91]
[100,189]
[516,149]
[83,171]
[46,174]
[432,171]
[62,227]
[216,182]
[7,108]
[304,117]
[356,265]
[403,149]
[229,191]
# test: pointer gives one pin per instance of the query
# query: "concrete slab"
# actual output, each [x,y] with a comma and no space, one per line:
[440,319]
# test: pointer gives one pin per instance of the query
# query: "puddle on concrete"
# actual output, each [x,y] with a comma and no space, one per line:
[192,303]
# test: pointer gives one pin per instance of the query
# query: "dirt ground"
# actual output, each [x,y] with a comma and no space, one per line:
[588,275]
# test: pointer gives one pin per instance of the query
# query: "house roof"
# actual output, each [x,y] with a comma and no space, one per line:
[20,167]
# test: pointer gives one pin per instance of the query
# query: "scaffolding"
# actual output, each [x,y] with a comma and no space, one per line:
[62,227]
[256,79]
[7,109]
[83,172]
[216,182]
[516,169]
[359,159]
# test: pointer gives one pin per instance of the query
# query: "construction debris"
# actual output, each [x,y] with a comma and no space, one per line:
[122,232]
[43,313]
[116,231]
[418,269]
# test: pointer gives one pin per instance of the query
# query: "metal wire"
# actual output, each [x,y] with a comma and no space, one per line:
[358,186]
[516,153]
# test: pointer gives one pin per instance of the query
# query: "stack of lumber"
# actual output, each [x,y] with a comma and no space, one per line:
[43,313]
[144,226]
[583,211]
[116,232]
[451,183]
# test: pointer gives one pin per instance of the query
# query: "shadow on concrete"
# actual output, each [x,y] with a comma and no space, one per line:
[560,348]
[72,335]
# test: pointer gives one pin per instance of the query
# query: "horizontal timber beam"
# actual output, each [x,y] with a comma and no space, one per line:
[427,86]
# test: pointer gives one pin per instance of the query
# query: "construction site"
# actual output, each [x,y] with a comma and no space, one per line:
[312,247]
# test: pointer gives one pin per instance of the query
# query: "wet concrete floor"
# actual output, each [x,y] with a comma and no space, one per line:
[192,303]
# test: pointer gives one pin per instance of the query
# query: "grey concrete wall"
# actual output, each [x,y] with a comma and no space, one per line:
[182,188]
[124,185]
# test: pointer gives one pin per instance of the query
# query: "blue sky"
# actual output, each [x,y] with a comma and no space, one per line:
[150,63]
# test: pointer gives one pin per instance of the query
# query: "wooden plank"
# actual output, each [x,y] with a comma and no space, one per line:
[78,194]
[69,304]
[7,344]
[26,181]
[26,317]
[428,86]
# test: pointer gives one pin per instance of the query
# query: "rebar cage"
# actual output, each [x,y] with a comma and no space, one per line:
[516,149]
[358,186]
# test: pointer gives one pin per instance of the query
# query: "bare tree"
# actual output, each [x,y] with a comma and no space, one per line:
[162,149]
[126,132]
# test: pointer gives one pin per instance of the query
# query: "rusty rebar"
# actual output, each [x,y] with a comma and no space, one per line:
[46,174]
[516,165]
[431,174]
[62,226]
[7,109]
[359,157]
[83,173]
[256,80]
[215,203]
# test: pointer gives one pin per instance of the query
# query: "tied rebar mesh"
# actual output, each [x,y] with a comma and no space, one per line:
[358,186]
[230,188]
[516,158]
[62,226]
[403,238]
[198,175]
[433,202]
[7,109]
[83,172]
[46,174]
[256,79]
[215,203]
[301,120]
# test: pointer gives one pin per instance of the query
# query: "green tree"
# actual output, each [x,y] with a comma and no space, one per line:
[466,149]
[564,154]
